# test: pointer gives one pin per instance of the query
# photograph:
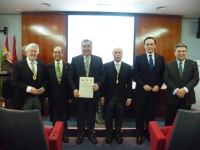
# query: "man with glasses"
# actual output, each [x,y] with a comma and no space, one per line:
[86,65]
[148,72]
[29,80]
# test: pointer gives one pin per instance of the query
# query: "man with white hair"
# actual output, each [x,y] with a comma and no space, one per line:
[28,79]
[116,94]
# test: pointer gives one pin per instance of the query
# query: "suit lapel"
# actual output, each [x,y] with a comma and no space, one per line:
[28,73]
[186,68]
[175,68]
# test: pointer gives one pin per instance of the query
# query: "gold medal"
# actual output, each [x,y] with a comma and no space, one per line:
[34,77]
[117,81]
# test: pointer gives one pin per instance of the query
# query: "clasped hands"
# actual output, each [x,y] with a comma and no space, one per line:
[149,88]
[37,91]
[180,92]
[95,87]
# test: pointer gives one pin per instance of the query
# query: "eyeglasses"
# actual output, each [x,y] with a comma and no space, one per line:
[86,46]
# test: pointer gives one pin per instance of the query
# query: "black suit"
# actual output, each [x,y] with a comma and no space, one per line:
[21,77]
[86,107]
[58,95]
[172,79]
[146,101]
[116,95]
[7,89]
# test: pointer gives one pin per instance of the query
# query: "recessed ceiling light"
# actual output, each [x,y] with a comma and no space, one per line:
[161,8]
[45,4]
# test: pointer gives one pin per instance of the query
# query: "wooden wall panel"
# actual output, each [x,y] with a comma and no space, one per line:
[47,30]
[165,29]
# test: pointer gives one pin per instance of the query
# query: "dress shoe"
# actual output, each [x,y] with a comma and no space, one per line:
[139,140]
[93,140]
[79,140]
[65,139]
[119,140]
[108,140]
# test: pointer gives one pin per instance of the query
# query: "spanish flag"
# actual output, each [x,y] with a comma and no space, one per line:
[6,49]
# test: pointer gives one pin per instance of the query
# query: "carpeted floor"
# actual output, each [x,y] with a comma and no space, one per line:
[129,137]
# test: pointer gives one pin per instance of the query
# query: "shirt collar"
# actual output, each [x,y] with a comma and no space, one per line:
[61,62]
[183,62]
[30,61]
[117,62]
[150,54]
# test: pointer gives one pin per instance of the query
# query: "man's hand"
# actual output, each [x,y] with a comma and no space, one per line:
[180,93]
[95,87]
[76,93]
[102,100]
[128,102]
[35,91]
[147,88]
[155,88]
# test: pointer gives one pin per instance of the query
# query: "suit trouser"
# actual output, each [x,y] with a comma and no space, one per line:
[145,112]
[171,110]
[115,110]
[31,103]
[60,114]
[86,110]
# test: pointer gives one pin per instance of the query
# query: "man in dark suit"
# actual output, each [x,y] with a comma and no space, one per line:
[148,74]
[7,89]
[86,107]
[180,76]
[58,91]
[116,94]
[29,80]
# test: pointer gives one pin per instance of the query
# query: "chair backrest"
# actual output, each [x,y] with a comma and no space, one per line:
[22,130]
[185,134]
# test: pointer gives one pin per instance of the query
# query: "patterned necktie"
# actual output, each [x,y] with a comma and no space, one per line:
[33,68]
[86,66]
[150,62]
[58,68]
[180,69]
[117,67]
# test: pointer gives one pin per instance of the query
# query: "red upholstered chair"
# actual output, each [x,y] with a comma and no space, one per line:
[184,134]
[24,130]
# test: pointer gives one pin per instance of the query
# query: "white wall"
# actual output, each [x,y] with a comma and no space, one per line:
[13,22]
[188,37]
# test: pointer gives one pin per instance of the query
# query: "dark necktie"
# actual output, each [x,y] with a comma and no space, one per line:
[150,62]
[180,69]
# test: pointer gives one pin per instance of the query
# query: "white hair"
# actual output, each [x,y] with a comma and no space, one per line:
[117,48]
[32,45]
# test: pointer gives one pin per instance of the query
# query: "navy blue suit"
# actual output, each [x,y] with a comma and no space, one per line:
[146,101]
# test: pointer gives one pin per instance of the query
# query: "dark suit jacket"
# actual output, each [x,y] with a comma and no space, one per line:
[142,74]
[7,89]
[172,79]
[57,93]
[77,69]
[123,90]
[22,77]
